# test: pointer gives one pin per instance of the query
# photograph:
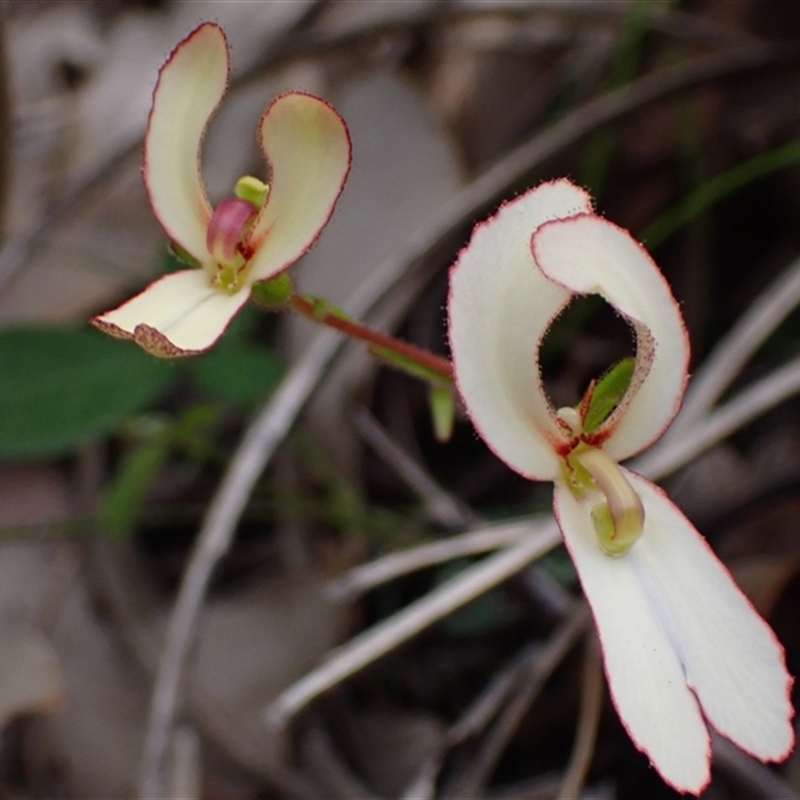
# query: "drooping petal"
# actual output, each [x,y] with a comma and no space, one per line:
[180,314]
[189,89]
[589,255]
[644,671]
[500,307]
[308,148]
[669,601]
[731,657]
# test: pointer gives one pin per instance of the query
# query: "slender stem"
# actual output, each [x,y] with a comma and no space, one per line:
[588,722]
[384,636]
[356,330]
[738,346]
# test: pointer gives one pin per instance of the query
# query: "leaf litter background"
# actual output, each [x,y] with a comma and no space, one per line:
[684,121]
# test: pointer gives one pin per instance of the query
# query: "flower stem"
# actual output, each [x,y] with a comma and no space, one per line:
[320,312]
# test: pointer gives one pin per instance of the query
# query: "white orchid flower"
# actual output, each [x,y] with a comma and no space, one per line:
[681,643]
[244,239]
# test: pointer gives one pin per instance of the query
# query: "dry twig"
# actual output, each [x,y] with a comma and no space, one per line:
[385,636]
[753,775]
[741,409]
[588,722]
[441,506]
[735,349]
[471,782]
[476,541]
[329,768]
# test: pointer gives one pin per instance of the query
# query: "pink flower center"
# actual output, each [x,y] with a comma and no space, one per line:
[226,239]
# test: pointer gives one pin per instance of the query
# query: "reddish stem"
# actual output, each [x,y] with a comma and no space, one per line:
[358,331]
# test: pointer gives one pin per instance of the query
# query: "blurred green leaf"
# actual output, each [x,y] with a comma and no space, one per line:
[62,387]
[238,373]
[488,613]
[558,565]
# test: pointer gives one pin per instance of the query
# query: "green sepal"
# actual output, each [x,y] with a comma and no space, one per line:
[274,293]
[183,255]
[607,394]
[443,411]
[410,367]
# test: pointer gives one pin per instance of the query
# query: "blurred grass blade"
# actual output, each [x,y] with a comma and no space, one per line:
[711,192]
[238,372]
[600,148]
[126,494]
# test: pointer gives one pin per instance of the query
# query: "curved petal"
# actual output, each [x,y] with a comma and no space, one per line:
[307,146]
[181,314]
[189,89]
[500,306]
[590,255]
[644,671]
[731,657]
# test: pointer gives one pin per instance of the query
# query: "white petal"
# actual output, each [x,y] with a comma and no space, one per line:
[500,307]
[590,255]
[308,148]
[189,89]
[644,672]
[180,314]
[731,657]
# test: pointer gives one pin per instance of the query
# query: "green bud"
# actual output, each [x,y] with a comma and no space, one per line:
[273,293]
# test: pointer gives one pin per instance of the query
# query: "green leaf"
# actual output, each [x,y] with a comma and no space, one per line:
[607,394]
[63,387]
[238,373]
